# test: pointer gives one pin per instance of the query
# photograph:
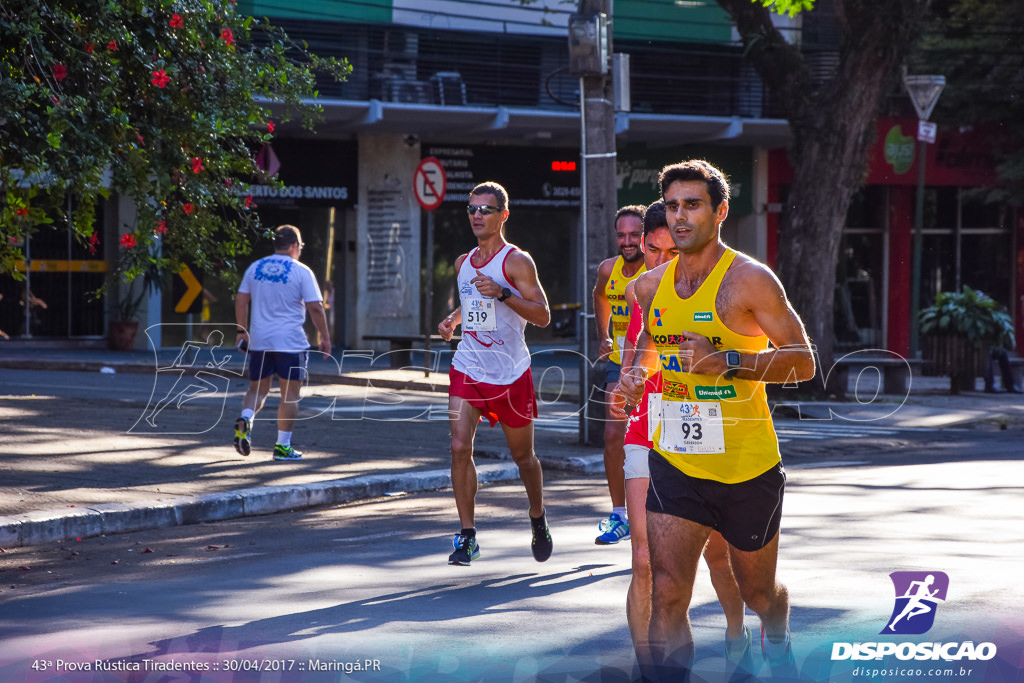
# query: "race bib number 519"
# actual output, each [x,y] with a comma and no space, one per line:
[478,315]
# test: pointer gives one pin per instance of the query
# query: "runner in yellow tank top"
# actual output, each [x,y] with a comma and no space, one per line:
[709,317]
[705,416]
[611,315]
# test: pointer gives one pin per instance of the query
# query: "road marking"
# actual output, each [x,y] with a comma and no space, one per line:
[826,464]
[356,539]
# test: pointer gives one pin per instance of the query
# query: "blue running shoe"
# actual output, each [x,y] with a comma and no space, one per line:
[615,529]
[780,660]
[740,655]
[466,550]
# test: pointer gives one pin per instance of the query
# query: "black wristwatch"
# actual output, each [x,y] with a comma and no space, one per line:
[735,363]
[505,293]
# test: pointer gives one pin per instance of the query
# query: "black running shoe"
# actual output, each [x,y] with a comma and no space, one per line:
[466,550]
[541,543]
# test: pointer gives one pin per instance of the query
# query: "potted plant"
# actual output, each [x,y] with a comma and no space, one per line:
[144,274]
[959,329]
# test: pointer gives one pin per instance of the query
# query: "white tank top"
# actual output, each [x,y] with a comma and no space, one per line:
[493,347]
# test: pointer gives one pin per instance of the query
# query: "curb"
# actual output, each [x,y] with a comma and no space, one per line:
[349,379]
[36,528]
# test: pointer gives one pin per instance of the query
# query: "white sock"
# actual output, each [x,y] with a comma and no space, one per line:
[621,512]
[248,414]
[284,438]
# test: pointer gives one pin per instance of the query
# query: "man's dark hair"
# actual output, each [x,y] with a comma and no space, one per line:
[654,217]
[697,169]
[491,187]
[285,236]
[631,210]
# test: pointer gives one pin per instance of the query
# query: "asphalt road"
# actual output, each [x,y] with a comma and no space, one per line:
[302,596]
[370,581]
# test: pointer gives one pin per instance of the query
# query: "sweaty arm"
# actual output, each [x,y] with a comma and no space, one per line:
[603,308]
[531,303]
[644,361]
[762,303]
[446,328]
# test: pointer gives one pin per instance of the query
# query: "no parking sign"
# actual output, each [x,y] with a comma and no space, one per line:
[430,183]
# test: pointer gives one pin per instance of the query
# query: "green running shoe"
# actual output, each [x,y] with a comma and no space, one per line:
[243,430]
[286,453]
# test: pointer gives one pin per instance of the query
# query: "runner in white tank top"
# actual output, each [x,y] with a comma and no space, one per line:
[493,347]
[490,376]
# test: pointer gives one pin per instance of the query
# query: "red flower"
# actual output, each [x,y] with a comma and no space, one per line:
[139,136]
[248,201]
[228,181]
[60,72]
[270,126]
[112,45]
[94,240]
[128,241]
[227,36]
[160,78]
[197,164]
[22,211]
[161,227]
[187,207]
[176,21]
[89,47]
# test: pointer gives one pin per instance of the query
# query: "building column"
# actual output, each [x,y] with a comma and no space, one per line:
[388,240]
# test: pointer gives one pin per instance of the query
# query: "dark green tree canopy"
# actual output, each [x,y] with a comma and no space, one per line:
[165,102]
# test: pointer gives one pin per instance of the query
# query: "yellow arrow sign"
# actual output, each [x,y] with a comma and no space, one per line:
[192,290]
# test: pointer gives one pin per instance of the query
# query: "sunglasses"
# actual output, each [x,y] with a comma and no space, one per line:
[484,209]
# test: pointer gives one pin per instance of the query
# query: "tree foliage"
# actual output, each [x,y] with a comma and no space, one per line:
[163,102]
[978,45]
[831,113]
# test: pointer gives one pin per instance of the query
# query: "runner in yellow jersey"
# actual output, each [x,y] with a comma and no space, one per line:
[611,314]
[719,326]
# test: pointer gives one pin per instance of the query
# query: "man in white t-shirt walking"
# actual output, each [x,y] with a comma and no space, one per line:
[280,290]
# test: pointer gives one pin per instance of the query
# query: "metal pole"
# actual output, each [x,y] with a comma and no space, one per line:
[429,293]
[28,287]
[583,329]
[915,285]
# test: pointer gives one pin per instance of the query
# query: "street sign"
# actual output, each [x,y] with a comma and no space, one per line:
[924,93]
[430,183]
[926,131]
[189,300]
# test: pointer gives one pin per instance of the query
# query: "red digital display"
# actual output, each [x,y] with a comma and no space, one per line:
[563,165]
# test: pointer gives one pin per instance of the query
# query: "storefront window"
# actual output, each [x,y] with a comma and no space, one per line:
[859,273]
[64,274]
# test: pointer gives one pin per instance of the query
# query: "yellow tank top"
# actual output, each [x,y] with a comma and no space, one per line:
[615,292]
[710,427]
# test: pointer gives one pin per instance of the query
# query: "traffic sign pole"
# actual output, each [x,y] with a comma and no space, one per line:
[429,184]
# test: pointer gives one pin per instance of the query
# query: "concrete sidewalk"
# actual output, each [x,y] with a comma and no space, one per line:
[83,468]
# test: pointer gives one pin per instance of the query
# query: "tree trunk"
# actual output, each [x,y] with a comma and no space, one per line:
[832,122]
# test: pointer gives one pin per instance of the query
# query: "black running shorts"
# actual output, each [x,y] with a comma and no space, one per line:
[747,514]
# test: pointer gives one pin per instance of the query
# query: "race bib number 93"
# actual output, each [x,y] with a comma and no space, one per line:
[692,427]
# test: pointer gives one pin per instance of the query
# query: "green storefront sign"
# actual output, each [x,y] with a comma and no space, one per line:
[638,167]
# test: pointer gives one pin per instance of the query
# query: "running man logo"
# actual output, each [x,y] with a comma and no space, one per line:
[658,312]
[917,595]
[703,317]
